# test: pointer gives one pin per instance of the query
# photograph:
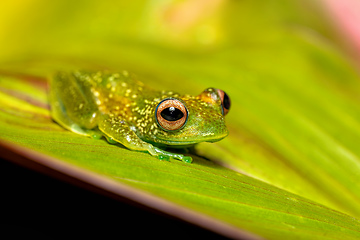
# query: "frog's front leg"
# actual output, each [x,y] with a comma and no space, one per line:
[118,130]
[166,155]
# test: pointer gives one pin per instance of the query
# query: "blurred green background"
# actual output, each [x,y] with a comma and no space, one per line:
[294,88]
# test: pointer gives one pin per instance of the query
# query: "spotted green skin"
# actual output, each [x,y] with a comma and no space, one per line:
[121,108]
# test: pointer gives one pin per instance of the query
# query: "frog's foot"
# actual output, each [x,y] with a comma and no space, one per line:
[164,155]
[93,133]
[110,140]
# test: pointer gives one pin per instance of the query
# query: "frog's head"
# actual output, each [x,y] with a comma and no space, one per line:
[188,120]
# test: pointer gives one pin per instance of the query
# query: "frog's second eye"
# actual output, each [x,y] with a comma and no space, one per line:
[225,101]
[171,114]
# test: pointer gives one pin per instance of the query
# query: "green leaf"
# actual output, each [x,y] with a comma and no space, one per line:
[203,186]
[290,166]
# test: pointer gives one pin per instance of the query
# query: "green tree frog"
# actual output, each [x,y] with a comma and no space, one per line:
[123,110]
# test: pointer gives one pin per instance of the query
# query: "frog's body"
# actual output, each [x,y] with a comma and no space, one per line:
[124,110]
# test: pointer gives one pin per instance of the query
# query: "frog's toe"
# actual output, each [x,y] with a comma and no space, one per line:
[187,159]
[110,140]
[164,157]
[181,157]
[96,135]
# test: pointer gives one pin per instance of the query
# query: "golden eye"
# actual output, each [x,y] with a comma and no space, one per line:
[225,101]
[171,114]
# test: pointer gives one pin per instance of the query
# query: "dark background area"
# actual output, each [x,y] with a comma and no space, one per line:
[36,205]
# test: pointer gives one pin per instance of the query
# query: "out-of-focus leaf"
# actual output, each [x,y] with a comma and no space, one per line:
[203,186]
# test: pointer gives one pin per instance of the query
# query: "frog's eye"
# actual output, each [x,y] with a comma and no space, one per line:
[225,101]
[171,114]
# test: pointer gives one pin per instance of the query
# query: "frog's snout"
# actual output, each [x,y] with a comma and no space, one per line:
[209,128]
[216,133]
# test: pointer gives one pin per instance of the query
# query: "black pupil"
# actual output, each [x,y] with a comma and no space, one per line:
[172,114]
[226,101]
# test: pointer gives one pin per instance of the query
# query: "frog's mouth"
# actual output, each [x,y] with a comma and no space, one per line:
[183,143]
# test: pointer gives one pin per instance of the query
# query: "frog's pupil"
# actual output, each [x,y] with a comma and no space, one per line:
[226,101]
[172,114]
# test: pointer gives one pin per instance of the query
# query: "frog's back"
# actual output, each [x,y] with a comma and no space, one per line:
[104,84]
[114,92]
